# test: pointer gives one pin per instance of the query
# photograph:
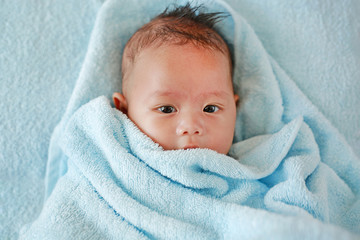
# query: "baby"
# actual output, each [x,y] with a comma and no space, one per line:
[177,82]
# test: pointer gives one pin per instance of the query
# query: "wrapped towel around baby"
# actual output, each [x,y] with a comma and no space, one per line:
[121,183]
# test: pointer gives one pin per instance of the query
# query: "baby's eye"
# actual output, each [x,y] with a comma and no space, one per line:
[211,109]
[167,109]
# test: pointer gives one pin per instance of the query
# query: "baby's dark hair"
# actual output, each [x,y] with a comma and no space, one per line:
[180,26]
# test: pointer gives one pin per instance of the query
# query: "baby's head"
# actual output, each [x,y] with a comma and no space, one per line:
[177,82]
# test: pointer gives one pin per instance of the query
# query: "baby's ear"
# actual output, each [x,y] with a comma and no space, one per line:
[120,102]
[236,98]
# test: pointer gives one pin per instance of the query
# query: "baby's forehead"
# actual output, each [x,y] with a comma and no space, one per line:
[171,54]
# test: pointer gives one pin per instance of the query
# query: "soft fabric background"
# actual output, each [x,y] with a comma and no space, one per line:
[43,44]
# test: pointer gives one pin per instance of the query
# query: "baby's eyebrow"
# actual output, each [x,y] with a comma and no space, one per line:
[220,94]
[161,93]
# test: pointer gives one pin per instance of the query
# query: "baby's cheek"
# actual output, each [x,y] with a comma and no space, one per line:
[223,138]
[160,132]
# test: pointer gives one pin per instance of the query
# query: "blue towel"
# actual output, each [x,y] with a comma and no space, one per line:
[289,174]
[120,184]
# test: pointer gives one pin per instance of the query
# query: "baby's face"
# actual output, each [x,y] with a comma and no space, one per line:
[182,97]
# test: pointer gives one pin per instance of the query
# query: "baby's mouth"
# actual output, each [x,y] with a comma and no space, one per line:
[190,147]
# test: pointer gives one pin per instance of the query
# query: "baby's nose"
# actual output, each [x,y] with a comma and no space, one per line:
[190,125]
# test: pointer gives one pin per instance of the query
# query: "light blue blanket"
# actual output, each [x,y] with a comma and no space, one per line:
[290,174]
[120,184]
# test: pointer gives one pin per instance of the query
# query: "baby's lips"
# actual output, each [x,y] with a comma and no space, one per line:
[192,146]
